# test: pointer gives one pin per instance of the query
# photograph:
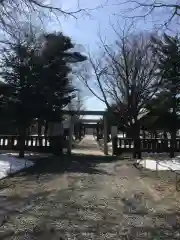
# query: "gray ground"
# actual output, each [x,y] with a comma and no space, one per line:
[88,197]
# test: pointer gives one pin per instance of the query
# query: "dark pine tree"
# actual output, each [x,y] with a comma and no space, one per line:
[57,86]
[39,77]
[17,71]
[168,53]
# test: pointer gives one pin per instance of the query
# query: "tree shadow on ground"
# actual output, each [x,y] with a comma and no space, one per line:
[77,163]
[162,180]
[86,147]
[61,214]
[152,225]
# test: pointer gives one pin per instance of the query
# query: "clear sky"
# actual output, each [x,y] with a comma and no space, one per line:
[84,29]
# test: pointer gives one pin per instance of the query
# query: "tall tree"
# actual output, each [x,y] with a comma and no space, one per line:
[126,78]
[39,77]
[168,52]
[17,71]
[158,109]
[57,57]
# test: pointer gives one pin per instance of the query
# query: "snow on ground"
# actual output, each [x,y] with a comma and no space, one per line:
[9,163]
[28,154]
[155,161]
[162,165]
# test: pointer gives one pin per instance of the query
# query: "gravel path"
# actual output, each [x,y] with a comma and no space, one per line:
[87,197]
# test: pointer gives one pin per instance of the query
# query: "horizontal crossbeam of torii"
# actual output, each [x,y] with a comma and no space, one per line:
[90,112]
[89,121]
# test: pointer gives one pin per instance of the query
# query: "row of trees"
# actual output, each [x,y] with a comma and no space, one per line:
[38,71]
[138,75]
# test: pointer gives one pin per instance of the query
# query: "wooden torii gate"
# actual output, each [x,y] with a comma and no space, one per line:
[89,123]
[83,113]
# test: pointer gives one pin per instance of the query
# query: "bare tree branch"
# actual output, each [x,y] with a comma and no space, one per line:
[14,12]
[95,67]
[144,9]
[130,78]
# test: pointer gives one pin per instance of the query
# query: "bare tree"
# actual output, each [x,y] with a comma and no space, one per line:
[77,104]
[92,76]
[170,10]
[15,12]
[126,78]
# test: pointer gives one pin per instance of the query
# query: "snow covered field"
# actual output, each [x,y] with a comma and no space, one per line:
[9,163]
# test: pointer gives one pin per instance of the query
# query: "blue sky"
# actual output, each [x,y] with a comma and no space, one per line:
[84,29]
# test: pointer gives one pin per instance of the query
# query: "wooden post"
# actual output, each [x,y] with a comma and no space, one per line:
[157,167]
[105,136]
[11,168]
[70,135]
[114,145]
[114,133]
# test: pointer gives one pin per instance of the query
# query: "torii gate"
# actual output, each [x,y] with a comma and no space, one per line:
[83,113]
[89,123]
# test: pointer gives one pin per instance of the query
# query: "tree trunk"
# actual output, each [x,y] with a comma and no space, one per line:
[144,134]
[97,129]
[130,132]
[39,127]
[40,123]
[29,130]
[155,134]
[174,128]
[136,138]
[165,135]
[173,143]
[22,136]
[46,129]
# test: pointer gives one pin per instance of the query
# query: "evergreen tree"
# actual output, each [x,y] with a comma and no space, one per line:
[56,60]
[39,76]
[17,71]
[56,85]
[168,53]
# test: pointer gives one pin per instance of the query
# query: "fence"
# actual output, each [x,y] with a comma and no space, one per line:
[146,145]
[32,143]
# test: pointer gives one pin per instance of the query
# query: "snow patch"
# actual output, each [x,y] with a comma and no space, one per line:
[11,164]
[160,162]
[155,161]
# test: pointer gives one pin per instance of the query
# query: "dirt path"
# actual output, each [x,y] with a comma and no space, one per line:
[86,197]
[88,145]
